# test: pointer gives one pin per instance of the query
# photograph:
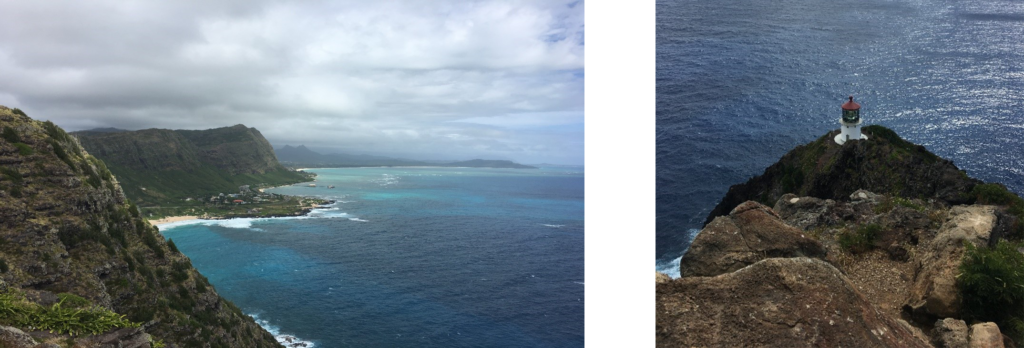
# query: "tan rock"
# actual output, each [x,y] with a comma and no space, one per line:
[750,233]
[776,302]
[661,278]
[934,291]
[986,335]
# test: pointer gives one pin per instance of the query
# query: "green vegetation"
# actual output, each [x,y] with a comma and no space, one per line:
[3,266]
[902,147]
[11,135]
[19,112]
[998,195]
[150,188]
[991,284]
[892,202]
[860,240]
[71,315]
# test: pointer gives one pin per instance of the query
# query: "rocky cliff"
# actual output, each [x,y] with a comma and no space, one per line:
[932,260]
[160,165]
[823,169]
[68,231]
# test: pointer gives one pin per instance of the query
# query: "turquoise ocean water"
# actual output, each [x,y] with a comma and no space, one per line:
[410,257]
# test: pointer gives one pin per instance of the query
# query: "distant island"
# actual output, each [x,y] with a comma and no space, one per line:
[301,156]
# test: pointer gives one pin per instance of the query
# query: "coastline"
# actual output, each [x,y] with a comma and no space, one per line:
[171,219]
[305,210]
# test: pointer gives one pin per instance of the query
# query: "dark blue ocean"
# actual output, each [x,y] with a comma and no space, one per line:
[740,83]
[410,257]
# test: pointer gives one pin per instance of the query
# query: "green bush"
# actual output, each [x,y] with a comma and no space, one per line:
[3,266]
[19,112]
[11,135]
[12,174]
[860,240]
[991,284]
[24,148]
[170,245]
[72,315]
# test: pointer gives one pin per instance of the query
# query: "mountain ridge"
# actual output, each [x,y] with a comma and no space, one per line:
[301,156]
[67,231]
[160,165]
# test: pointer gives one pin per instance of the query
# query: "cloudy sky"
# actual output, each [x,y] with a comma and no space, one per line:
[498,79]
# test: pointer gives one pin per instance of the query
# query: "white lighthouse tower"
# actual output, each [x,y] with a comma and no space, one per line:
[850,123]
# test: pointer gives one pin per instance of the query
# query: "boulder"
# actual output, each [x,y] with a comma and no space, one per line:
[776,302]
[750,233]
[806,213]
[950,333]
[986,335]
[15,338]
[934,293]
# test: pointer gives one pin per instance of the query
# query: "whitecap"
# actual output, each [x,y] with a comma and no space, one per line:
[553,226]
[284,339]
[247,223]
[670,268]
[358,219]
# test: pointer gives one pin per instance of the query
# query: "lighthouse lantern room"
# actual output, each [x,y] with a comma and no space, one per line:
[850,123]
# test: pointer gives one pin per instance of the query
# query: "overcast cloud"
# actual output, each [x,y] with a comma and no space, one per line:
[416,79]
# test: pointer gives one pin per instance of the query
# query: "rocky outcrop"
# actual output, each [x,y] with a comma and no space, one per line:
[950,333]
[986,335]
[826,170]
[750,233]
[776,302]
[934,293]
[661,278]
[66,227]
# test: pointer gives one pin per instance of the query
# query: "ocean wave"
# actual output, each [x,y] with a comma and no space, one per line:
[247,223]
[554,226]
[284,339]
[670,268]
[358,219]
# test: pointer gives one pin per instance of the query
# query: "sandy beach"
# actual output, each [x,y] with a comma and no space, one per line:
[170,219]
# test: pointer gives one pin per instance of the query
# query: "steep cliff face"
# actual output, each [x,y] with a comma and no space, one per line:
[67,227]
[884,164]
[161,165]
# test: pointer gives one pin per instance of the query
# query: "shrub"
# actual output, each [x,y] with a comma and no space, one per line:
[11,135]
[72,315]
[170,245]
[12,174]
[24,149]
[3,266]
[991,284]
[19,112]
[860,240]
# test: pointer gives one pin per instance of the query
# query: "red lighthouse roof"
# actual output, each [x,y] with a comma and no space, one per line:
[851,105]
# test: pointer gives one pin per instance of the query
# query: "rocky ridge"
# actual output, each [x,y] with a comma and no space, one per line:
[66,227]
[161,165]
[862,270]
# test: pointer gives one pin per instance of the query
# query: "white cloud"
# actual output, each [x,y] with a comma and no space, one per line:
[388,77]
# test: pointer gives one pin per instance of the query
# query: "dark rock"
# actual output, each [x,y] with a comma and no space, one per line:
[750,233]
[11,337]
[807,212]
[950,333]
[777,302]
[824,169]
